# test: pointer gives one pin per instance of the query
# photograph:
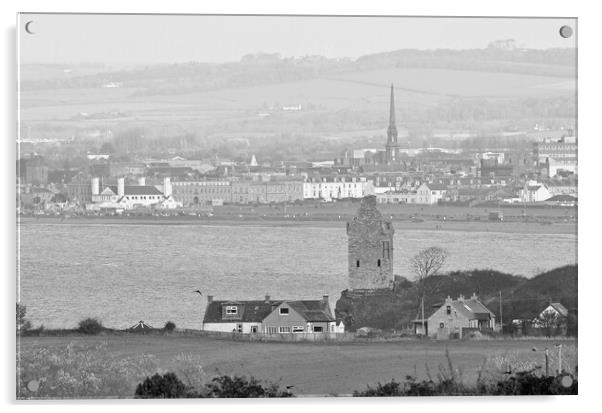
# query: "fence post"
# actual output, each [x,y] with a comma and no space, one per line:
[547,362]
[559,358]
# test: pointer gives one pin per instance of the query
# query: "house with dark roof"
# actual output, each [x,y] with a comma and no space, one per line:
[269,316]
[303,316]
[456,318]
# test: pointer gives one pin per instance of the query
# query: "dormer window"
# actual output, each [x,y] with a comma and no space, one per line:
[448,309]
[284,311]
[231,309]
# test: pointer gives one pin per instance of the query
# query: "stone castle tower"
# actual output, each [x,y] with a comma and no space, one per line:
[392,146]
[370,242]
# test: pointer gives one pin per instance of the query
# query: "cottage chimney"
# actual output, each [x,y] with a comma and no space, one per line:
[209,299]
[121,186]
[142,181]
[474,296]
[461,298]
[448,300]
[267,298]
[325,298]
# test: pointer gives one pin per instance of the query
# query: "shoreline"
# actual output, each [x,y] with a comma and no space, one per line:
[427,225]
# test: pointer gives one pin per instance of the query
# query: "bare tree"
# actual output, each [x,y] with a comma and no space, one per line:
[424,264]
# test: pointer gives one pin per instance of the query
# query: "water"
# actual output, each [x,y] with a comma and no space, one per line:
[123,273]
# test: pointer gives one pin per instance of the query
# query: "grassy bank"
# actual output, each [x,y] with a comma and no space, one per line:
[324,222]
[310,368]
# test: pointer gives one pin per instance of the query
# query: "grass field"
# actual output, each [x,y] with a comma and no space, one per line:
[365,91]
[323,368]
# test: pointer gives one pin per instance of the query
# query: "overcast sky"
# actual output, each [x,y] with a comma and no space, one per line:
[147,39]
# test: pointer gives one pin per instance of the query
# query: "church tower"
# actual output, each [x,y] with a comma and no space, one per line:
[392,147]
[370,248]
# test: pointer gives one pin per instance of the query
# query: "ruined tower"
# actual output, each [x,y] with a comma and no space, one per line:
[392,147]
[370,248]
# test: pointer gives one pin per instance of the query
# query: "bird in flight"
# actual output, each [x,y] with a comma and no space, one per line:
[197,291]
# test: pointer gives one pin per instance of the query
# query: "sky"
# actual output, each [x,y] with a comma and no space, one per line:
[149,39]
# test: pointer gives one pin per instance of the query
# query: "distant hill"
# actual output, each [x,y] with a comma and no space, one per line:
[253,70]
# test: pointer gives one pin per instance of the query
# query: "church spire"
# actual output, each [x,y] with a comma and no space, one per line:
[392,129]
[392,148]
[392,108]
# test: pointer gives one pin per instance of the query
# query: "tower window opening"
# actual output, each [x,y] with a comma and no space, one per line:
[357,263]
[378,262]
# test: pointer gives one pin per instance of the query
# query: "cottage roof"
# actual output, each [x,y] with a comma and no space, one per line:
[312,310]
[560,309]
[253,311]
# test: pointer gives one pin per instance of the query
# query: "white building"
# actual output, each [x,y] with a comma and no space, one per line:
[534,192]
[124,197]
[337,188]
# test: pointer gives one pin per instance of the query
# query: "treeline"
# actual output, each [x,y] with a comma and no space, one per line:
[198,76]
[521,298]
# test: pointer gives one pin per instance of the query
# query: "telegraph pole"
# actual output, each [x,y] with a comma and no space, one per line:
[422,306]
[501,317]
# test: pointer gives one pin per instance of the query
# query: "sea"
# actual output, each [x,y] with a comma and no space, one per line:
[124,273]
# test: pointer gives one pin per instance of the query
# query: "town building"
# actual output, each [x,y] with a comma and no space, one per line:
[456,318]
[425,194]
[556,155]
[79,192]
[329,188]
[370,248]
[193,193]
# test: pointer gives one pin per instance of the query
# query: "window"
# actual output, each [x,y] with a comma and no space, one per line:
[284,311]
[239,328]
[318,329]
[378,262]
[272,330]
[386,249]
[441,325]
[357,263]
[231,309]
[285,329]
[448,309]
[253,329]
[297,329]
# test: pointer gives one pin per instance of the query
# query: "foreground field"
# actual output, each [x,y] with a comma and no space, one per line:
[325,368]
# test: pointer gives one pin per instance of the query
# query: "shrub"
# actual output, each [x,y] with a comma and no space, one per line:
[170,326]
[90,326]
[531,384]
[22,323]
[166,386]
[241,387]
[79,371]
